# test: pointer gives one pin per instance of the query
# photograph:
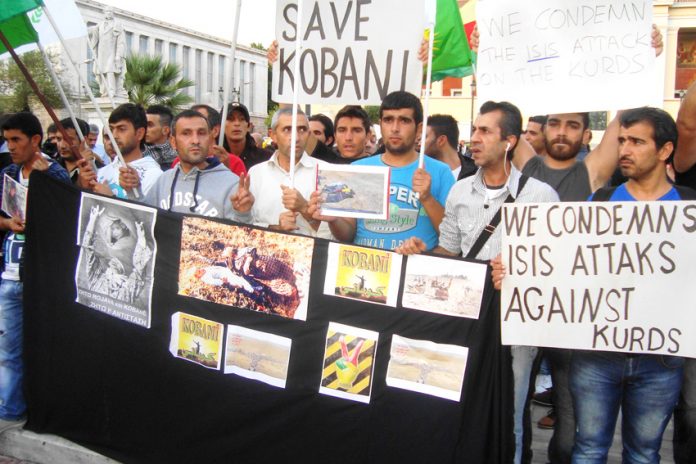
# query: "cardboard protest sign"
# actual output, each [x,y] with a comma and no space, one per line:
[352,53]
[538,54]
[600,276]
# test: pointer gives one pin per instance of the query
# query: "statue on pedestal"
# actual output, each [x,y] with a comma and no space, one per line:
[108,42]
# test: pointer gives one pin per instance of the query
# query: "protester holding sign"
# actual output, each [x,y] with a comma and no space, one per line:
[644,386]
[416,195]
[685,167]
[23,134]
[472,214]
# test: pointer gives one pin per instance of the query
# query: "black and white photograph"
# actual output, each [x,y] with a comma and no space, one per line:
[14,198]
[115,269]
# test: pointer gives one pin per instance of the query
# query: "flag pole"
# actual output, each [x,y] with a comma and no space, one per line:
[295,89]
[42,98]
[233,52]
[61,91]
[85,87]
[426,103]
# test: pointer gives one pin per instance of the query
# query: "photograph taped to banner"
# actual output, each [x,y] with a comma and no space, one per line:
[354,191]
[14,198]
[427,367]
[366,274]
[445,286]
[245,267]
[115,269]
[196,340]
[349,362]
[257,355]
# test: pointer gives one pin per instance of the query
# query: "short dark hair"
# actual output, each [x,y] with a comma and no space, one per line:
[25,122]
[401,99]
[164,113]
[52,128]
[135,114]
[539,119]
[444,124]
[511,120]
[326,122]
[664,127]
[189,114]
[67,123]
[354,111]
[214,116]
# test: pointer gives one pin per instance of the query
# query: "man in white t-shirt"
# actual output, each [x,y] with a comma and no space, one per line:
[128,124]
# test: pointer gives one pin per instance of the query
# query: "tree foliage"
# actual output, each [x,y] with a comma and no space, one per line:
[150,81]
[15,91]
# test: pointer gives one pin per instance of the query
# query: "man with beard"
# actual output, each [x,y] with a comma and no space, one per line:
[441,142]
[128,125]
[65,150]
[416,195]
[159,121]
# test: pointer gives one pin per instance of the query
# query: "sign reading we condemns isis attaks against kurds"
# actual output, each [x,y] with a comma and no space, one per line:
[557,56]
[353,51]
[608,276]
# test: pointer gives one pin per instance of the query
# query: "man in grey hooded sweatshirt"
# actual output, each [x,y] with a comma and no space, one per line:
[198,184]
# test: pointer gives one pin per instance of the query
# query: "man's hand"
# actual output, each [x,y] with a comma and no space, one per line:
[102,188]
[272,52]
[314,208]
[498,273]
[87,175]
[294,201]
[421,183]
[411,246]
[128,178]
[287,221]
[40,163]
[243,199]
[15,224]
[656,40]
[221,154]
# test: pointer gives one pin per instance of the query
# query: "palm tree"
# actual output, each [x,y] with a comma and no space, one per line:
[149,81]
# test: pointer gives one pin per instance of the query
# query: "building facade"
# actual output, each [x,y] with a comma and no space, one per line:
[204,59]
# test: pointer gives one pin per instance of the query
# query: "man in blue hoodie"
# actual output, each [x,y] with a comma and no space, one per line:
[23,133]
[199,184]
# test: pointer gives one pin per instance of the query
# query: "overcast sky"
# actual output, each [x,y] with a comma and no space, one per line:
[214,17]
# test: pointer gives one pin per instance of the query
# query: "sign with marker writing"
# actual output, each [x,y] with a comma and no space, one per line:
[607,276]
[556,56]
[353,51]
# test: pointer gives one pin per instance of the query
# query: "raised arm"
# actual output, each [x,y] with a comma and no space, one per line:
[685,155]
[602,161]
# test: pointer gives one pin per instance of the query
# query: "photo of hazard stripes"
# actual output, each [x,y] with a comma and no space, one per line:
[349,362]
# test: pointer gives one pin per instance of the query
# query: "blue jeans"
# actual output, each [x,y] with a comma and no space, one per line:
[645,387]
[522,361]
[12,405]
[685,417]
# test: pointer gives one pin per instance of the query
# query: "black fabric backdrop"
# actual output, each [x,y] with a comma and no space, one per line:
[114,387]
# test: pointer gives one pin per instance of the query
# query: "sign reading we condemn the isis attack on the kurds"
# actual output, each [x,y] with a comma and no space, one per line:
[555,56]
[353,51]
[608,276]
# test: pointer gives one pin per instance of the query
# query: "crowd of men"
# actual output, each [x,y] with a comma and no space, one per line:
[449,206]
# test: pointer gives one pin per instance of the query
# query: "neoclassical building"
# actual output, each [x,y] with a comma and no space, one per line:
[203,59]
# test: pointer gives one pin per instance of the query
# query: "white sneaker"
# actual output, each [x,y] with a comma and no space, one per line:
[10,424]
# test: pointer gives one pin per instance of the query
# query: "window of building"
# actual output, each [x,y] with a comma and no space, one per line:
[129,43]
[242,82]
[221,78]
[158,47]
[172,53]
[209,73]
[199,72]
[685,73]
[143,44]
[186,66]
[252,79]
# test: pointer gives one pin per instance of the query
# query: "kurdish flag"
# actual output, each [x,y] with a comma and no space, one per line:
[10,8]
[452,56]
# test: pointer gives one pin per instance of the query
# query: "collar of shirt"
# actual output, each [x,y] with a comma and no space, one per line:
[479,186]
[305,161]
